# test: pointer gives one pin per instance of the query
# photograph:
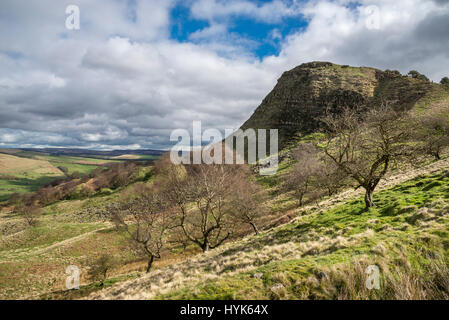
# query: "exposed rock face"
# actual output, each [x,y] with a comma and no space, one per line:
[303,94]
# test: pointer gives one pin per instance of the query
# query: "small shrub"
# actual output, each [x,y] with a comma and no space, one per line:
[106,191]
[30,214]
[445,81]
[99,268]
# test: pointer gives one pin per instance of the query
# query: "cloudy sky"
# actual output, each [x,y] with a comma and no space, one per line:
[137,69]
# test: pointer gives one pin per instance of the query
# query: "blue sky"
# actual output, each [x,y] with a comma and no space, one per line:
[263,37]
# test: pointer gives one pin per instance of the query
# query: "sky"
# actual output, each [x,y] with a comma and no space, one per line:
[136,70]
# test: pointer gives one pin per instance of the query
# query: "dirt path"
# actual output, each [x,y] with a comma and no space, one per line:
[67,241]
[12,256]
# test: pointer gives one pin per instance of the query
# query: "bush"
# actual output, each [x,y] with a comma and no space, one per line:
[445,81]
[80,192]
[98,270]
[106,191]
[393,72]
[416,75]
[30,213]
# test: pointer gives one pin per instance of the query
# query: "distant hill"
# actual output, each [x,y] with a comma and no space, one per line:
[85,152]
[304,93]
[17,166]
[26,170]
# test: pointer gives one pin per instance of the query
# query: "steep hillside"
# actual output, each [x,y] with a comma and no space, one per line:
[304,93]
[325,251]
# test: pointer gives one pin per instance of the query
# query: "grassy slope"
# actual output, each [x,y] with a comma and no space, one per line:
[341,237]
[411,217]
[26,171]
[71,232]
[19,174]
[33,260]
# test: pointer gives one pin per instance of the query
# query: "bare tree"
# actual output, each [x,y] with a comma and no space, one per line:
[30,213]
[304,173]
[330,177]
[366,145]
[247,202]
[202,197]
[434,134]
[143,214]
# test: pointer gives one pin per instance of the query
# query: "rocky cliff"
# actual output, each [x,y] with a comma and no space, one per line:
[303,94]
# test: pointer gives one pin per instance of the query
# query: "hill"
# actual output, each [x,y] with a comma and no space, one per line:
[26,170]
[18,174]
[324,252]
[142,153]
[304,93]
[12,165]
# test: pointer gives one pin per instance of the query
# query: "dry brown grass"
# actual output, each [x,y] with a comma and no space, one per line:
[13,165]
[399,279]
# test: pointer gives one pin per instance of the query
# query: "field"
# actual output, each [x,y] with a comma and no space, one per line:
[23,171]
[74,164]
[135,157]
[22,175]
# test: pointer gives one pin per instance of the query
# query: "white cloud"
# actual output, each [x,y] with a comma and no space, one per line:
[120,81]
[340,33]
[270,12]
[212,31]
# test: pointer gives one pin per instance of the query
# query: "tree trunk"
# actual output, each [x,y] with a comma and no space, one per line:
[369,198]
[256,230]
[205,246]
[150,263]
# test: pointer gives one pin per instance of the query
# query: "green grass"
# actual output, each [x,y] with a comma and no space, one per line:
[48,233]
[25,182]
[334,239]
[22,185]
[389,223]
[75,164]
